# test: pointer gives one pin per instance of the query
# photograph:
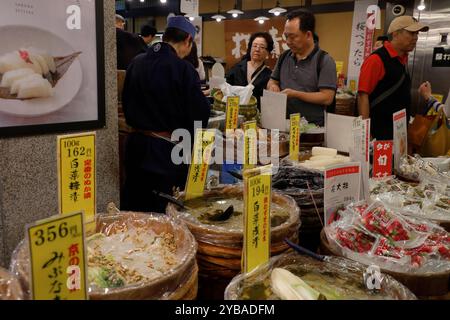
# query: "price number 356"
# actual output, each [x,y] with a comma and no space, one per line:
[51,233]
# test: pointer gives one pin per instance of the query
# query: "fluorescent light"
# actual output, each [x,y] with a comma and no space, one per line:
[421,6]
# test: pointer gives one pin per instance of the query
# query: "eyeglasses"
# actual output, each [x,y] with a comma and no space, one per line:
[258,46]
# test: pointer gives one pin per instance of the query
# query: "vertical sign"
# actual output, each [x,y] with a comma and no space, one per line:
[341,187]
[201,157]
[77,174]
[356,56]
[294,137]
[400,136]
[372,22]
[58,265]
[250,144]
[360,152]
[382,159]
[257,200]
[189,7]
[232,110]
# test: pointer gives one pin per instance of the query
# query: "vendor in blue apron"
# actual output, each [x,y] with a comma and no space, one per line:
[161,94]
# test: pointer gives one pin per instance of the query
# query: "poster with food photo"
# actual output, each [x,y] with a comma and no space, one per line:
[51,66]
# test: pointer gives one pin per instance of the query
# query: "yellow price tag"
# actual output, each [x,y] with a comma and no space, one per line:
[257,200]
[353,85]
[58,264]
[201,156]
[250,144]
[294,137]
[339,67]
[231,121]
[77,174]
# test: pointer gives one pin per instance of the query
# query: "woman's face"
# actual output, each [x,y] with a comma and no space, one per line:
[259,51]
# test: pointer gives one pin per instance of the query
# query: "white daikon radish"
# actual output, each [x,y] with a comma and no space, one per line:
[320,151]
[314,158]
[288,286]
[13,75]
[35,89]
[324,162]
[16,84]
[46,61]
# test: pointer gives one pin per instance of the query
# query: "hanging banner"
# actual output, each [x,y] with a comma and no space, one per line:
[294,137]
[77,174]
[341,187]
[400,136]
[372,22]
[201,157]
[57,256]
[357,45]
[382,159]
[257,200]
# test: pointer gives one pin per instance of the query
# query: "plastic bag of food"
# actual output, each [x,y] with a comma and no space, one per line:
[132,256]
[334,279]
[10,288]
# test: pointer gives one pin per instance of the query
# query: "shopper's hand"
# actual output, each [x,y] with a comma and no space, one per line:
[291,93]
[273,87]
[425,90]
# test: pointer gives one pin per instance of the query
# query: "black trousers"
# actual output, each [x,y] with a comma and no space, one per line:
[148,167]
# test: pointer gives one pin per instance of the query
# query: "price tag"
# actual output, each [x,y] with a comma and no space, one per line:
[77,174]
[201,157]
[250,144]
[360,152]
[232,116]
[58,265]
[294,137]
[257,200]
[339,67]
[341,187]
[400,136]
[382,159]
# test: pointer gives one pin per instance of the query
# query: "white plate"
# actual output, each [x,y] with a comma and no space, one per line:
[15,37]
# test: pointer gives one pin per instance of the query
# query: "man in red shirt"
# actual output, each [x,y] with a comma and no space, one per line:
[384,82]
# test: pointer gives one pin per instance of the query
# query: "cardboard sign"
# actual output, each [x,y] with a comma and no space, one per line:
[341,187]
[294,137]
[77,174]
[382,159]
[400,136]
[201,157]
[232,116]
[58,269]
[360,152]
[250,144]
[257,200]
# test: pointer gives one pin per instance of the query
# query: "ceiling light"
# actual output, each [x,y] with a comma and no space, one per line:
[163,1]
[218,17]
[421,6]
[277,10]
[235,12]
[261,19]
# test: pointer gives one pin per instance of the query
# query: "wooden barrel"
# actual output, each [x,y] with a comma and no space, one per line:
[178,283]
[219,251]
[427,286]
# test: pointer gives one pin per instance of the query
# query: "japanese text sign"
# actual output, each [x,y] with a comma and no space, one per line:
[341,187]
[201,158]
[382,159]
[257,200]
[360,152]
[232,116]
[58,270]
[400,136]
[77,174]
[250,144]
[294,137]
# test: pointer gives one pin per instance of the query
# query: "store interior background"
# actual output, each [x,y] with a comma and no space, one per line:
[28,177]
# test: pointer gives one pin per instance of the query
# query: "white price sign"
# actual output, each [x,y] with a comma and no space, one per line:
[342,187]
[400,136]
[360,152]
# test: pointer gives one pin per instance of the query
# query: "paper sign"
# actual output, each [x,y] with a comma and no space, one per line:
[400,136]
[382,159]
[232,116]
[77,174]
[250,144]
[257,200]
[338,131]
[273,110]
[201,157]
[341,187]
[58,269]
[360,152]
[294,137]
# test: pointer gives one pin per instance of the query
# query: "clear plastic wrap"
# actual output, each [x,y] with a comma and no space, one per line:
[336,278]
[417,169]
[285,217]
[127,247]
[426,200]
[373,234]
[10,288]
